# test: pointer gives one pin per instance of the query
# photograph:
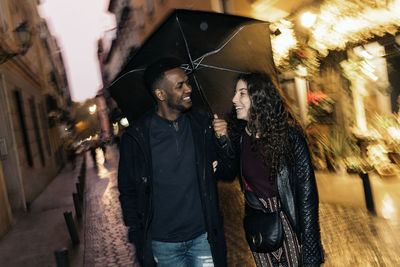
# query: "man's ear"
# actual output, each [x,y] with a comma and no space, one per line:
[160,94]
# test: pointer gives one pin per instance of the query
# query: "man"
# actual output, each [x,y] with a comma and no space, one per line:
[166,178]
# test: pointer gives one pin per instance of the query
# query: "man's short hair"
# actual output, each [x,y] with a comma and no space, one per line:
[154,73]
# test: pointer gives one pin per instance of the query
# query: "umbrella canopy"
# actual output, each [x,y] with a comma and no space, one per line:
[215,48]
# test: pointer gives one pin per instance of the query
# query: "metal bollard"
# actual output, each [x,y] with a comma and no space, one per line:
[77,205]
[82,172]
[79,190]
[62,257]
[71,227]
[81,180]
[369,200]
[83,167]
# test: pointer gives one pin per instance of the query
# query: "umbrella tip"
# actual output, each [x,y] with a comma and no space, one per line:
[204,26]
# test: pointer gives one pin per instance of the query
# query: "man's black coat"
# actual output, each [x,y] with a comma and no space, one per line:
[135,184]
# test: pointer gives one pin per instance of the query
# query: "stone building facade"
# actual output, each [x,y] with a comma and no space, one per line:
[35,103]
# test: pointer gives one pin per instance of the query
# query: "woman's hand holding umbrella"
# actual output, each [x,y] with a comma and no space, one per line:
[220,129]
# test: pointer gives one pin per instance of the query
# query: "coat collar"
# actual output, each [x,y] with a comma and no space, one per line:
[198,123]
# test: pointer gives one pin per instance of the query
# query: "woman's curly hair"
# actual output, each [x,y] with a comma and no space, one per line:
[269,119]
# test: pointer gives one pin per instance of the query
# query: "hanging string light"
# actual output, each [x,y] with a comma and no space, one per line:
[284,42]
[342,21]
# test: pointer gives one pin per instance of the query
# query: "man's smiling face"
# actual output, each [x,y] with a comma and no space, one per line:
[178,90]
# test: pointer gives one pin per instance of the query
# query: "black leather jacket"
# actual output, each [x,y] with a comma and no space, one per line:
[298,194]
[135,185]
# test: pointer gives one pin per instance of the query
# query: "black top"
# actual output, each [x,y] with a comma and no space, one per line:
[177,207]
[255,172]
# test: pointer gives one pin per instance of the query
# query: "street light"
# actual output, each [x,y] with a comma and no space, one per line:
[92,109]
[24,35]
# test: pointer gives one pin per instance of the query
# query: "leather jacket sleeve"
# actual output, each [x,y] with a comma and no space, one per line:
[307,203]
[228,161]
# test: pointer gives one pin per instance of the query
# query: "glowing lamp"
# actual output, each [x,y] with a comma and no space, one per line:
[308,19]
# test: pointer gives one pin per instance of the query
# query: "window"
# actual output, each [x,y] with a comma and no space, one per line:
[21,116]
[37,130]
[45,128]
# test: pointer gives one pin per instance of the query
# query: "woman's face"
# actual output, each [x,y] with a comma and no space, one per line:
[242,101]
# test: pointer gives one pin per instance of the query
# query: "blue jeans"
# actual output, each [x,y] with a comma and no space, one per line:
[192,253]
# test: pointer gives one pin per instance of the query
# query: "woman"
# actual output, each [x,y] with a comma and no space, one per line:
[274,162]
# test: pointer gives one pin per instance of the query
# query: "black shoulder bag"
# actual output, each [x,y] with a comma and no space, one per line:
[263,229]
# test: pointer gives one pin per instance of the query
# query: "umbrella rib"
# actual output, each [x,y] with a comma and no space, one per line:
[125,74]
[202,95]
[184,39]
[198,63]
[221,68]
[219,49]
[186,67]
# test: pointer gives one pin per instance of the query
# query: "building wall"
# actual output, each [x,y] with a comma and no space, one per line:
[34,148]
[10,160]
[43,168]
[6,219]
[148,14]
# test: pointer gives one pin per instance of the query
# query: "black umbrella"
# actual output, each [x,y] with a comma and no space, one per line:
[215,48]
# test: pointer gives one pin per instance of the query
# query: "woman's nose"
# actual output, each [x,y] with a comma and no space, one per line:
[234,99]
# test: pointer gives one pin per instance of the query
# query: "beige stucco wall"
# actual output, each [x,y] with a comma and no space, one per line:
[35,177]
[162,9]
[5,210]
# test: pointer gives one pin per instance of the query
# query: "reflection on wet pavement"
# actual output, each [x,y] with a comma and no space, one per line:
[106,241]
[102,163]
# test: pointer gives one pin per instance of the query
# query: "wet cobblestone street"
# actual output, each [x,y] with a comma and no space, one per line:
[351,236]
[106,241]
[354,237]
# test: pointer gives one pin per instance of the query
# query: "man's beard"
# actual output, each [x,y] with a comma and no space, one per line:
[178,107]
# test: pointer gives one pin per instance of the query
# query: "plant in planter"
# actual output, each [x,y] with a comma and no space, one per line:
[378,156]
[356,164]
[302,55]
[340,150]
[320,107]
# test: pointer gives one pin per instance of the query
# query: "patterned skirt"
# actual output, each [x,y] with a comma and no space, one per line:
[289,254]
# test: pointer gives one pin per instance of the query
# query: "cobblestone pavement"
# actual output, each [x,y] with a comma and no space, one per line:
[106,241]
[351,236]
